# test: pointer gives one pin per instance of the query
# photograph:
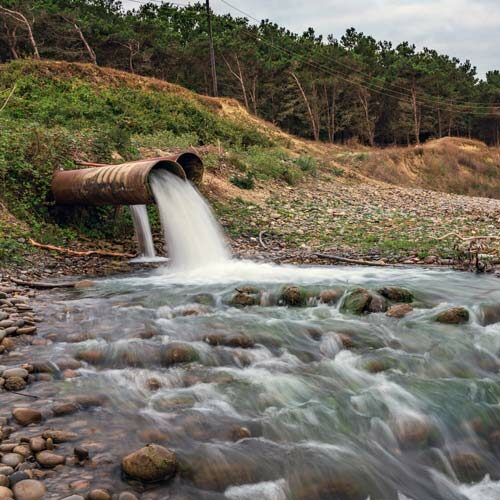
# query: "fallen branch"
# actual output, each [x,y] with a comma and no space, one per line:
[25,395]
[8,97]
[351,261]
[43,284]
[104,253]
[470,238]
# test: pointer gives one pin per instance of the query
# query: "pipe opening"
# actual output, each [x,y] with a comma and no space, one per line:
[192,165]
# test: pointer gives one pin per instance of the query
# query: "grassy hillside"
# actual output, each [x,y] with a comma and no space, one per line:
[61,112]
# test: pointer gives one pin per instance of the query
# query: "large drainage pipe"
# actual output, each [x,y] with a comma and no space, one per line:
[124,184]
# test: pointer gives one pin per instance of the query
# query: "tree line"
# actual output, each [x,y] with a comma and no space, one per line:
[352,88]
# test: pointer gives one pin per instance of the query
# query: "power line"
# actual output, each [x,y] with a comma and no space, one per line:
[435,102]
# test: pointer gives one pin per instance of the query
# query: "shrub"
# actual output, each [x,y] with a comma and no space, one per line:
[243,182]
[307,164]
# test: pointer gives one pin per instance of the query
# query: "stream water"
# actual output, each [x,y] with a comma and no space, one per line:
[303,402]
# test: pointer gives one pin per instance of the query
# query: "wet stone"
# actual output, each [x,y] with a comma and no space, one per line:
[4,480]
[377,304]
[399,310]
[29,489]
[26,416]
[178,352]
[59,436]
[357,302]
[15,372]
[6,470]
[15,384]
[16,477]
[293,296]
[126,495]
[396,294]
[99,494]
[151,463]
[328,296]
[61,409]
[5,492]
[49,459]
[12,459]
[453,316]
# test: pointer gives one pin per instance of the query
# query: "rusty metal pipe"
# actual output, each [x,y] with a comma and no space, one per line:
[124,184]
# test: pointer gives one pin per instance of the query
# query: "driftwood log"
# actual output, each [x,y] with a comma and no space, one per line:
[80,253]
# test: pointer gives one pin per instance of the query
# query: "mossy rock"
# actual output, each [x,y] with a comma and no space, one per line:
[294,296]
[453,316]
[205,299]
[357,302]
[396,294]
[245,296]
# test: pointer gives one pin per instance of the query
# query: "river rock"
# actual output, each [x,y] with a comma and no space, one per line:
[6,470]
[377,304]
[67,408]
[23,450]
[293,296]
[396,294]
[468,465]
[328,296]
[26,416]
[81,453]
[489,314]
[26,330]
[178,352]
[205,299]
[237,340]
[410,431]
[453,316]
[151,463]
[91,356]
[15,384]
[5,492]
[4,480]
[357,301]
[59,436]
[399,310]
[243,299]
[30,489]
[99,494]
[126,495]
[12,459]
[15,372]
[49,459]
[17,477]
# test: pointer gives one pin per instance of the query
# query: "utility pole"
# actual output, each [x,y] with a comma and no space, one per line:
[212,53]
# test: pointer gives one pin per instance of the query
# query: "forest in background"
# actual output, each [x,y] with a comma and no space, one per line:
[348,89]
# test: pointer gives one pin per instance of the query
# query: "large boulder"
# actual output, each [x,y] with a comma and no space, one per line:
[377,304]
[453,316]
[357,302]
[489,314]
[151,463]
[396,294]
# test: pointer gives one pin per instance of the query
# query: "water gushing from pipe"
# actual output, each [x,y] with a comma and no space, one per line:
[193,236]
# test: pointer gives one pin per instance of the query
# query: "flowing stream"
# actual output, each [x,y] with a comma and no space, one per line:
[143,234]
[268,401]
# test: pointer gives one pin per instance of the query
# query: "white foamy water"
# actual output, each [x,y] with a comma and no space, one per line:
[194,238]
[143,231]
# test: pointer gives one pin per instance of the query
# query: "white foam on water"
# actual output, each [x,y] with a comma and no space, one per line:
[194,238]
[266,490]
[484,490]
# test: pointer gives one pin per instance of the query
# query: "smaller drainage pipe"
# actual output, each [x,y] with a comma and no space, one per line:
[124,184]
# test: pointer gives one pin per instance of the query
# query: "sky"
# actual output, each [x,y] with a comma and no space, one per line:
[467,29]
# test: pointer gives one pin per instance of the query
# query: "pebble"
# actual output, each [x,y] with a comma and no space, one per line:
[22,450]
[17,477]
[59,436]
[74,497]
[15,372]
[99,494]
[26,330]
[5,492]
[64,408]
[6,470]
[4,480]
[30,489]
[15,384]
[37,444]
[48,459]
[12,459]
[126,495]
[26,416]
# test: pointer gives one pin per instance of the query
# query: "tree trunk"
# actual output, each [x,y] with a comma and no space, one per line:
[314,127]
[440,126]
[253,94]
[370,129]
[88,48]
[21,18]
[416,115]
[11,40]
[239,77]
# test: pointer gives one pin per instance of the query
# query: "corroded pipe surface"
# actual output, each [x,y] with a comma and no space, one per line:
[124,184]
